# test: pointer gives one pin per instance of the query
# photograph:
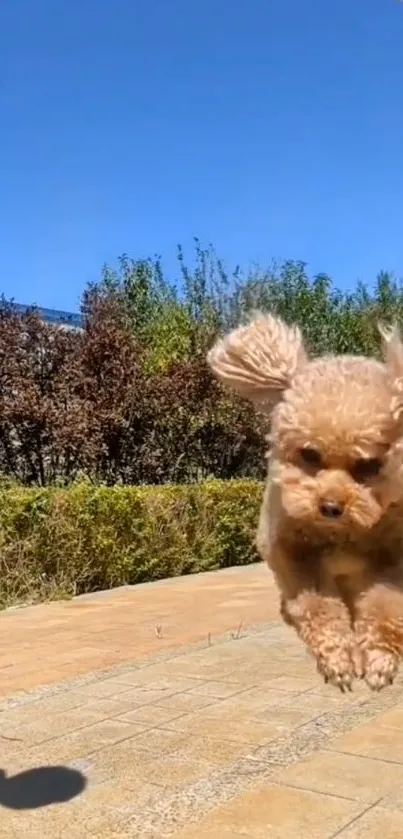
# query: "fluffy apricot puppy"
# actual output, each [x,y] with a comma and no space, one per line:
[331,522]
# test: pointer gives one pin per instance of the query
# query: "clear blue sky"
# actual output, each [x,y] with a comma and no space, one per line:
[273,128]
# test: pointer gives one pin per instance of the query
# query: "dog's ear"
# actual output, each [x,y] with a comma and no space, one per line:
[260,359]
[392,348]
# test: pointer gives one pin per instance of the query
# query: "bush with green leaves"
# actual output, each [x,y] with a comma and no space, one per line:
[59,542]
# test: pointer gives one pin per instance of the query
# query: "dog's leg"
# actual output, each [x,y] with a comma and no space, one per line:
[379,633]
[322,620]
[323,623]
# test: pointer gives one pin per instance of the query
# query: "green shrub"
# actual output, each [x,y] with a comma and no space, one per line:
[59,542]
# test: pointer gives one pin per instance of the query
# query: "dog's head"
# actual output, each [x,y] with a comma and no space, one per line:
[337,422]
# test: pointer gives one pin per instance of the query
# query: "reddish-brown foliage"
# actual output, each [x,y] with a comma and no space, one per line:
[80,403]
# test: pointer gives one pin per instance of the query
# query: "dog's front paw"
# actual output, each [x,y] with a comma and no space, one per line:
[337,668]
[380,668]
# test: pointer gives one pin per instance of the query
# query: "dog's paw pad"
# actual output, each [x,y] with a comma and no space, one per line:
[380,668]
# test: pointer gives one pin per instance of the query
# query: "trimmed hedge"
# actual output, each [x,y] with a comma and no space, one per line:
[59,542]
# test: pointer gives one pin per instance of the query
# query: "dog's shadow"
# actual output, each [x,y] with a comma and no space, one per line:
[40,787]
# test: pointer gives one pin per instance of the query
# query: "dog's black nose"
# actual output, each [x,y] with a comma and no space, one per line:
[331,509]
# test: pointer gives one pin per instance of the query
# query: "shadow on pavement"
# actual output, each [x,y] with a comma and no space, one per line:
[40,787]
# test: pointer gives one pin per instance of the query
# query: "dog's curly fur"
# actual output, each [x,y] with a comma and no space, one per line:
[331,522]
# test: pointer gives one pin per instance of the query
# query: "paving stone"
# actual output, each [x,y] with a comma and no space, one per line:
[392,718]
[181,768]
[157,740]
[278,812]
[186,702]
[393,800]
[160,677]
[78,744]
[217,689]
[216,730]
[102,689]
[215,751]
[235,726]
[41,708]
[377,823]
[262,697]
[152,693]
[151,715]
[48,727]
[291,683]
[371,740]
[262,707]
[343,775]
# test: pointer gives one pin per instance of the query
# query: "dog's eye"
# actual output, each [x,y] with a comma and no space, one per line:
[311,457]
[364,470]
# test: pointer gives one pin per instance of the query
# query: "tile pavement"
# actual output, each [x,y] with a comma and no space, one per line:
[187,710]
